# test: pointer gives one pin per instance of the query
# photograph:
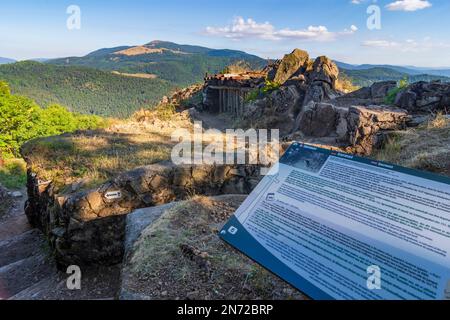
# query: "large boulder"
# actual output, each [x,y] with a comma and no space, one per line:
[356,128]
[322,81]
[380,90]
[292,64]
[324,70]
[424,97]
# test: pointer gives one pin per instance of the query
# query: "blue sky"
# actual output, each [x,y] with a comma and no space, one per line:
[413,32]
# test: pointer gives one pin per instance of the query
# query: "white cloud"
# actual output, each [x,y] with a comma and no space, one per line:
[248,28]
[242,28]
[409,45]
[380,44]
[408,5]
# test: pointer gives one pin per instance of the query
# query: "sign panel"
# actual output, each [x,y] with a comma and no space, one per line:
[338,226]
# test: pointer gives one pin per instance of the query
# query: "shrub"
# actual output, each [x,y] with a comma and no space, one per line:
[269,86]
[390,98]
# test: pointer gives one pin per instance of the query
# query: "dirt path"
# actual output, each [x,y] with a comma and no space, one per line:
[214,121]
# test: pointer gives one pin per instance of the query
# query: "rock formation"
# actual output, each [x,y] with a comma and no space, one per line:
[308,106]
[425,97]
[355,127]
[302,82]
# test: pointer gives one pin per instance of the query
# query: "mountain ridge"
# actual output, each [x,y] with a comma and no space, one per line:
[182,65]
[4,60]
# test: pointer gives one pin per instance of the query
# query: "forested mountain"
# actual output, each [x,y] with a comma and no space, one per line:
[6,60]
[118,81]
[410,70]
[180,64]
[82,89]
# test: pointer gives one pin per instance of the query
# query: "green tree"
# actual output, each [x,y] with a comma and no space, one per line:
[21,120]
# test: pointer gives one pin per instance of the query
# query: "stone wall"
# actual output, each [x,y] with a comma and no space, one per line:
[88,227]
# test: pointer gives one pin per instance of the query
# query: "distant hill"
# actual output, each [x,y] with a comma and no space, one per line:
[82,89]
[118,81]
[410,70]
[6,60]
[366,77]
[179,64]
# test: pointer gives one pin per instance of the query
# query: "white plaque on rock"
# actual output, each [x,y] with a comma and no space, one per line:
[113,195]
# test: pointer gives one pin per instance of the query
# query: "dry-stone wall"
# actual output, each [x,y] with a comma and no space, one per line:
[88,227]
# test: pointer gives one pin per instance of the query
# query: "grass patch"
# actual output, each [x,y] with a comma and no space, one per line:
[13,174]
[423,148]
[193,260]
[86,159]
[392,94]
[269,86]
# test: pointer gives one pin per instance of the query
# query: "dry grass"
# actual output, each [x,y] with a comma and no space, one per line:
[13,174]
[136,75]
[88,158]
[345,84]
[426,147]
[194,263]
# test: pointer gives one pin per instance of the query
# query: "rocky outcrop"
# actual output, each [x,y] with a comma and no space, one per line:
[318,120]
[324,70]
[88,227]
[366,124]
[366,96]
[322,81]
[293,64]
[181,97]
[304,82]
[425,97]
[277,110]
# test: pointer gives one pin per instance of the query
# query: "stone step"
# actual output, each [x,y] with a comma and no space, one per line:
[21,247]
[22,274]
[97,283]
